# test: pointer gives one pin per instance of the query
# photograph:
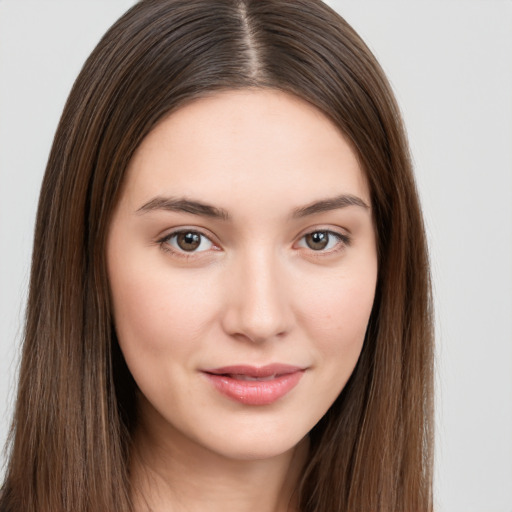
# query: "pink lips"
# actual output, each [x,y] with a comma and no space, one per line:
[252,385]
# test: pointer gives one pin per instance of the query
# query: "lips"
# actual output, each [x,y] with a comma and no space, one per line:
[251,385]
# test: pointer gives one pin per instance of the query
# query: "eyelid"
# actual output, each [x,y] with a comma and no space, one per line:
[164,244]
[344,240]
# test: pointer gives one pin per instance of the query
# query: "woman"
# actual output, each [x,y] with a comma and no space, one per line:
[229,304]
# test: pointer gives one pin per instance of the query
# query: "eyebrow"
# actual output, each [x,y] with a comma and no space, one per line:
[206,210]
[332,203]
[183,205]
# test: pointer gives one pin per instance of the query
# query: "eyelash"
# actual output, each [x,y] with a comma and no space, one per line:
[342,242]
[164,243]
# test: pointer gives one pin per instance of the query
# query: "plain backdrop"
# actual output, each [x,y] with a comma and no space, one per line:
[450,63]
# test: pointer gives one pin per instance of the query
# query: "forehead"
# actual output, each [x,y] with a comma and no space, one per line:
[258,143]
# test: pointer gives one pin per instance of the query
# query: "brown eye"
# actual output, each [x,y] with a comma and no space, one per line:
[187,241]
[317,240]
[324,241]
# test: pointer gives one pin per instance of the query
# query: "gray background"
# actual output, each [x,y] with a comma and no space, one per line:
[450,63]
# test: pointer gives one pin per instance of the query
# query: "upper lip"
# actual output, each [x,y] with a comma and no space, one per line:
[268,370]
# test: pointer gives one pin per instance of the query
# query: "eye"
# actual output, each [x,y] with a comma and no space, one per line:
[323,240]
[187,241]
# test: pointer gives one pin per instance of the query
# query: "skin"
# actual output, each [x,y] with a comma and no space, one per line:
[253,292]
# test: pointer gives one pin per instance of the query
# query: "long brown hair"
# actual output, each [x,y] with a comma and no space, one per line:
[70,439]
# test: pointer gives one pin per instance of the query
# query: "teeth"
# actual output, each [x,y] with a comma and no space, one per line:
[239,376]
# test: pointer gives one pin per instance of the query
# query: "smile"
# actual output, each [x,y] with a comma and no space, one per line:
[251,385]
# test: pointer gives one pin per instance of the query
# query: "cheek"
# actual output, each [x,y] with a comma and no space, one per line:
[158,314]
[337,314]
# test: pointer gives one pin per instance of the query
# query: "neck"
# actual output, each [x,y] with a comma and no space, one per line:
[173,473]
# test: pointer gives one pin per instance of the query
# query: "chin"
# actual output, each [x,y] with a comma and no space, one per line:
[244,448]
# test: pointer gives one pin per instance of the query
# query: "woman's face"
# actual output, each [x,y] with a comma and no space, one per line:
[242,266]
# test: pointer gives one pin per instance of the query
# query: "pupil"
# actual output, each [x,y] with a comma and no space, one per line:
[188,241]
[317,240]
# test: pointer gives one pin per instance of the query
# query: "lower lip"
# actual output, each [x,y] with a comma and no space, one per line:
[255,392]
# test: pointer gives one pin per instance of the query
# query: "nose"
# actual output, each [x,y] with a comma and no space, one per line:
[257,304]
